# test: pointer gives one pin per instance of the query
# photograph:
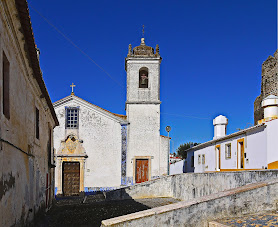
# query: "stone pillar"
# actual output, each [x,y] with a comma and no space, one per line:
[82,165]
[59,176]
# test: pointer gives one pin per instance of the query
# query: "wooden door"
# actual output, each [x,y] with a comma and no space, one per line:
[71,178]
[142,170]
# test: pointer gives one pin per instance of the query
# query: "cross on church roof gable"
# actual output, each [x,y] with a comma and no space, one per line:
[117,117]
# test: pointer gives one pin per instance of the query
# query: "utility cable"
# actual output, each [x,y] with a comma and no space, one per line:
[85,54]
[77,47]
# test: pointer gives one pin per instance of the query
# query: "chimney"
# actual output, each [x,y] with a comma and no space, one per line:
[220,126]
[270,105]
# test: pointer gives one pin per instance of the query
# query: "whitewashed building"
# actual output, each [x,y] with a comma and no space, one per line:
[27,119]
[100,150]
[249,149]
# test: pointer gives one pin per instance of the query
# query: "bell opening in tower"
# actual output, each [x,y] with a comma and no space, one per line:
[143,78]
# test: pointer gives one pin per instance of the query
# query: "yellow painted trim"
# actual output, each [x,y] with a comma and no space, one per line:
[229,170]
[239,141]
[81,161]
[218,155]
[272,165]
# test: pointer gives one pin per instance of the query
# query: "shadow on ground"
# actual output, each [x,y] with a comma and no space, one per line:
[73,212]
[90,214]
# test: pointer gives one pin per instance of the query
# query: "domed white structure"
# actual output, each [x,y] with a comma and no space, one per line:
[220,126]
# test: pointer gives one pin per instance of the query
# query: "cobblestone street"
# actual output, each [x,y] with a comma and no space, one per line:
[259,220]
[73,212]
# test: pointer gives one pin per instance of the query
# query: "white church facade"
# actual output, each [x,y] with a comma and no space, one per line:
[99,150]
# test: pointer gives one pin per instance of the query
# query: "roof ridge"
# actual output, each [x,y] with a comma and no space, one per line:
[115,114]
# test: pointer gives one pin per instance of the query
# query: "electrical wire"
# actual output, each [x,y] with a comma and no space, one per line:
[85,54]
[77,47]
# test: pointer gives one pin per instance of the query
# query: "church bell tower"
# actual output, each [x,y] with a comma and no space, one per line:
[142,65]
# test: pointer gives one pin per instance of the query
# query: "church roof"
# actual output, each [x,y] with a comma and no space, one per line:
[24,17]
[70,97]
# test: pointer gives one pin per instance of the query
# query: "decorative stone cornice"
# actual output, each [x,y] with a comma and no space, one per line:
[143,51]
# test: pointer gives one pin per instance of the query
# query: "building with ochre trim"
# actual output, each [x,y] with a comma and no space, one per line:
[253,148]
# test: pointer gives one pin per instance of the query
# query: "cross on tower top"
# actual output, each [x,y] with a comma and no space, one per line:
[72,86]
[143,31]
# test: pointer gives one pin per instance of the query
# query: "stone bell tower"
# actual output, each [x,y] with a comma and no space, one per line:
[269,84]
[142,65]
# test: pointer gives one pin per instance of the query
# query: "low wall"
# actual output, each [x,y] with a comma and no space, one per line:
[160,187]
[188,186]
[247,199]
[177,167]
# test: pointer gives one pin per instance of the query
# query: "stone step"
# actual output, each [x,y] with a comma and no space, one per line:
[94,198]
[217,224]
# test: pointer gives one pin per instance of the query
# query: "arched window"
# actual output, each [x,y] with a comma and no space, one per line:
[143,77]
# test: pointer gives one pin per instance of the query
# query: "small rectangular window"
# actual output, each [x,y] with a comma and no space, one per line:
[6,87]
[37,123]
[203,159]
[199,159]
[228,151]
[72,117]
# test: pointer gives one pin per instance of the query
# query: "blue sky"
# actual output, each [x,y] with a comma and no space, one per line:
[212,54]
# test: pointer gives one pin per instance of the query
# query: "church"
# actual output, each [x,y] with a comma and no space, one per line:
[97,150]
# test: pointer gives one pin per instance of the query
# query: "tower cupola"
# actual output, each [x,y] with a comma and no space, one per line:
[142,65]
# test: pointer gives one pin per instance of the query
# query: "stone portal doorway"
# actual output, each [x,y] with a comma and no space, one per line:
[71,178]
[142,170]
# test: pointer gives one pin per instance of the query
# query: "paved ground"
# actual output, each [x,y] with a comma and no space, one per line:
[73,212]
[260,220]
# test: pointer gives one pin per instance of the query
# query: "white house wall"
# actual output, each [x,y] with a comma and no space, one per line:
[255,148]
[272,144]
[177,167]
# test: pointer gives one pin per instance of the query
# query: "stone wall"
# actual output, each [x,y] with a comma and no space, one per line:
[249,199]
[268,84]
[188,186]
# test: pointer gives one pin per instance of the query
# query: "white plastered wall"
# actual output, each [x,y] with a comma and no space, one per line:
[255,147]
[143,135]
[272,141]
[102,142]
